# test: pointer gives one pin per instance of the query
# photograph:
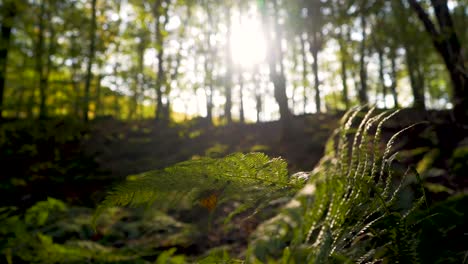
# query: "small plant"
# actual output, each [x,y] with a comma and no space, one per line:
[252,180]
[347,210]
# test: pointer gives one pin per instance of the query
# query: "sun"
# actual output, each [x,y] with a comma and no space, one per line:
[247,41]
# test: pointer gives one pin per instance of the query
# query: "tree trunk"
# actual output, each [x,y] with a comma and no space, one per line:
[48,69]
[20,102]
[314,49]
[344,74]
[98,107]
[381,76]
[116,105]
[209,102]
[417,89]
[228,81]
[362,93]
[160,78]
[175,72]
[241,96]
[447,43]
[141,71]
[7,23]
[411,56]
[39,62]
[305,82]
[394,78]
[89,73]
[208,86]
[258,107]
[258,93]
[159,82]
[278,78]
[274,59]
[138,77]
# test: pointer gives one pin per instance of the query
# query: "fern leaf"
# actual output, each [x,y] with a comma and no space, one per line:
[351,198]
[241,177]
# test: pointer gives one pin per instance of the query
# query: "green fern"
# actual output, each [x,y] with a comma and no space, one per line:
[27,237]
[345,212]
[334,217]
[250,179]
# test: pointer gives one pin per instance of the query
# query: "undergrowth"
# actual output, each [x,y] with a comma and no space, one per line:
[347,210]
[335,217]
[252,180]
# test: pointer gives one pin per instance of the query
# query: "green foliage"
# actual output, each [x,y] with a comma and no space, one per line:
[51,232]
[250,179]
[39,213]
[218,255]
[349,210]
[35,153]
[167,257]
[25,237]
[459,160]
[338,216]
[441,231]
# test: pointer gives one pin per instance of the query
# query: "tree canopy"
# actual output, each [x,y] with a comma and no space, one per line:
[229,60]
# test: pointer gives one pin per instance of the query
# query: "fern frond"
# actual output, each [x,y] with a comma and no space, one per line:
[241,177]
[351,197]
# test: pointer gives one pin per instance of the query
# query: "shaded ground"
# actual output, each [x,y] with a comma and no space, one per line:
[77,163]
[127,148]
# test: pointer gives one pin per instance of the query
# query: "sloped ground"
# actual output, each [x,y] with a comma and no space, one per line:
[122,148]
[77,164]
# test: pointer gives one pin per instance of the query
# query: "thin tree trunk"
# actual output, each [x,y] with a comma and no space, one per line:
[228,80]
[394,77]
[258,106]
[295,59]
[7,24]
[411,57]
[160,78]
[138,77]
[362,93]
[209,103]
[314,52]
[208,85]
[175,72]
[416,88]
[89,73]
[344,74]
[116,105]
[381,76]
[305,82]
[20,102]
[141,72]
[241,96]
[315,45]
[208,68]
[98,107]
[39,62]
[74,82]
[48,69]
[278,78]
[258,93]
[209,99]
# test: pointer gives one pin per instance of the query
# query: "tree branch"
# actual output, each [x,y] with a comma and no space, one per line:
[424,17]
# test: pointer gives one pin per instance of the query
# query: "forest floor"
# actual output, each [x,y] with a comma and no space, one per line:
[77,163]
